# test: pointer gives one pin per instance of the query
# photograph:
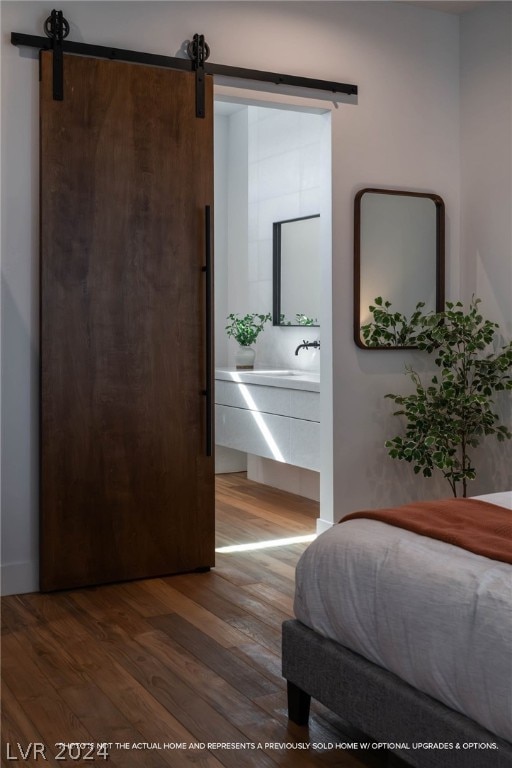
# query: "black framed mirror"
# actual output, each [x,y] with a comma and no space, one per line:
[296,285]
[399,255]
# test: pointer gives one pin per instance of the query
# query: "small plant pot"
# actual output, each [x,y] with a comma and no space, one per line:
[244,358]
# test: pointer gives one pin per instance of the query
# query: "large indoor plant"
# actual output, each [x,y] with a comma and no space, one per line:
[455,410]
[245,329]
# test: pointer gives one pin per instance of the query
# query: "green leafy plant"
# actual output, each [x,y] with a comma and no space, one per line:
[306,320]
[451,414]
[245,329]
[299,320]
[392,329]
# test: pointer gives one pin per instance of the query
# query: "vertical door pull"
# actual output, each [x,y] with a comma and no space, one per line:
[207,269]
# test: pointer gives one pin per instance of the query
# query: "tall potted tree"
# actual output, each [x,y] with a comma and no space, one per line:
[455,410]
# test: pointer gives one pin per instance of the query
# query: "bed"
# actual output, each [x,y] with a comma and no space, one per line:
[407,638]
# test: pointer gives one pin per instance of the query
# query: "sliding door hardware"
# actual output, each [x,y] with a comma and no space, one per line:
[198,51]
[57,29]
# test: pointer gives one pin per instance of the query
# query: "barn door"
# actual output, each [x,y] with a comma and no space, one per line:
[126,173]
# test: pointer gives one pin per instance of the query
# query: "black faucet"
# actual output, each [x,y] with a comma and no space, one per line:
[307,344]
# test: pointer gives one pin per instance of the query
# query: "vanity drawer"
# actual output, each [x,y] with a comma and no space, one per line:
[293,403]
[284,439]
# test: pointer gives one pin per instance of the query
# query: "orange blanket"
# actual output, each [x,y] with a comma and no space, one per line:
[475,525]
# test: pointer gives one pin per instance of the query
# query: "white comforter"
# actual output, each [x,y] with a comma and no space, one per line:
[436,615]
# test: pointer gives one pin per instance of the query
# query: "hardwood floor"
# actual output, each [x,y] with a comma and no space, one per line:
[191,659]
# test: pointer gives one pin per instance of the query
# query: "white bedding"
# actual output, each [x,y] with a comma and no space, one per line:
[436,615]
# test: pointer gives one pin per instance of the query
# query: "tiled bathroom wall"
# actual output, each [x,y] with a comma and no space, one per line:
[285,181]
[272,166]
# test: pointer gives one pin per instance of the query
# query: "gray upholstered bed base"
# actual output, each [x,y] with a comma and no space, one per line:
[379,704]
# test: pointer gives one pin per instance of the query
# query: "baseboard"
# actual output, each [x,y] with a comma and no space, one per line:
[286,477]
[19,578]
[323,525]
[228,460]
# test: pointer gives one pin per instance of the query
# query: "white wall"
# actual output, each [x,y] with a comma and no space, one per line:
[275,171]
[271,167]
[486,195]
[221,144]
[287,179]
[486,159]
[226,459]
[402,133]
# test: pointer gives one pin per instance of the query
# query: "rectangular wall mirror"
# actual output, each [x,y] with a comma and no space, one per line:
[398,254]
[296,272]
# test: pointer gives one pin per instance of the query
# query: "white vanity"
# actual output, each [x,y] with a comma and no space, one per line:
[270,413]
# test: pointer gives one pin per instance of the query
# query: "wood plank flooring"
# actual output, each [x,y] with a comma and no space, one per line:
[191,659]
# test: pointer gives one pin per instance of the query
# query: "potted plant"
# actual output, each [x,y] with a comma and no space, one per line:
[451,414]
[245,329]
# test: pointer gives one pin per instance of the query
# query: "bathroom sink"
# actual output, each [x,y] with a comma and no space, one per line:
[282,374]
[276,372]
[288,378]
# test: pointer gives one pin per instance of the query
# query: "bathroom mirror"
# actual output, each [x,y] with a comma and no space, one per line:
[398,254]
[296,272]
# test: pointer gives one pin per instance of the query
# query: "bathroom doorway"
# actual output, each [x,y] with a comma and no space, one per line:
[273,167]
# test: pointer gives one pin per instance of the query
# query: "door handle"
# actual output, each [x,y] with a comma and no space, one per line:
[208,392]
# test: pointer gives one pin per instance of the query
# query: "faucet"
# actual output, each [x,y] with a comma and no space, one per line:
[307,344]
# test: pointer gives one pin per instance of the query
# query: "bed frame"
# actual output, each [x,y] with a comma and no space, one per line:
[380,704]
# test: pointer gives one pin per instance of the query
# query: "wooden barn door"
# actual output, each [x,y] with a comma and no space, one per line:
[127,487]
